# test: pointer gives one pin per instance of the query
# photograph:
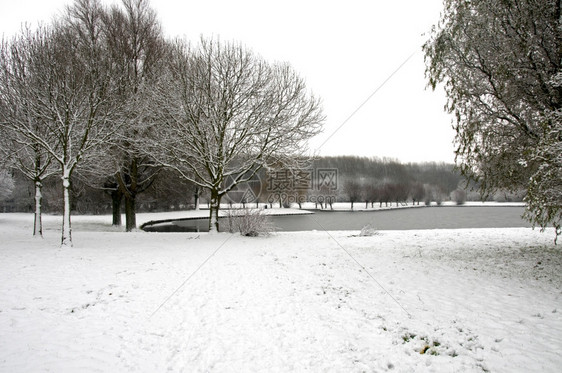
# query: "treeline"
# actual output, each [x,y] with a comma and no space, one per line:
[374,180]
[356,179]
[377,180]
[442,176]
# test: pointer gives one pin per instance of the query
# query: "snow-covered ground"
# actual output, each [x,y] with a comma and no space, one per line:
[401,301]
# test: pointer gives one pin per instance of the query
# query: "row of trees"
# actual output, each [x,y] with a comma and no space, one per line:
[399,193]
[356,178]
[102,91]
[375,180]
[377,170]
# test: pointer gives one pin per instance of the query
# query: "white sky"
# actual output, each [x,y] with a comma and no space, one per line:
[345,51]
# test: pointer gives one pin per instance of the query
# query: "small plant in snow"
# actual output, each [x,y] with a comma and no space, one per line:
[368,231]
[249,222]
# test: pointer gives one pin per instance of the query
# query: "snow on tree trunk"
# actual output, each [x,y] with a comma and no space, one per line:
[214,212]
[37,224]
[66,240]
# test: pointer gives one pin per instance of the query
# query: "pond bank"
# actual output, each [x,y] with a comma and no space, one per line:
[444,217]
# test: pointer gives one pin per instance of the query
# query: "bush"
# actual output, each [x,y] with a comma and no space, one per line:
[368,231]
[249,222]
[459,196]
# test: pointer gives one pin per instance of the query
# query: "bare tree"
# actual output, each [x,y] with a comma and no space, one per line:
[385,194]
[20,126]
[398,192]
[137,48]
[353,189]
[417,192]
[370,194]
[73,84]
[227,113]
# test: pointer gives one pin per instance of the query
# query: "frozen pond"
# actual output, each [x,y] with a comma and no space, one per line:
[453,217]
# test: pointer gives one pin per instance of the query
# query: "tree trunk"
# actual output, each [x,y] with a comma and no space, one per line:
[214,211]
[66,240]
[37,224]
[130,213]
[127,183]
[116,198]
[196,198]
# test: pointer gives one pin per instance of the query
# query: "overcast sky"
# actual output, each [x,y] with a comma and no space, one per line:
[345,51]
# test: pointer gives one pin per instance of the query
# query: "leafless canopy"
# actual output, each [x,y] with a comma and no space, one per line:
[227,113]
[58,89]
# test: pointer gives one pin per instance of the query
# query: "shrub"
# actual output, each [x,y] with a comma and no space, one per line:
[249,222]
[368,231]
[459,196]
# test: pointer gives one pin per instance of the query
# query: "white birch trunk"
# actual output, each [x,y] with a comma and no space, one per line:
[37,224]
[66,240]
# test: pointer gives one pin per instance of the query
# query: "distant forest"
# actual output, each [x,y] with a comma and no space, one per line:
[356,179]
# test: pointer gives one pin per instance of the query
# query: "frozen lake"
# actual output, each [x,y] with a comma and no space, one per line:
[450,217]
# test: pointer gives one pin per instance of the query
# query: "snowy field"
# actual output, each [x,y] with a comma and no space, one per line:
[401,301]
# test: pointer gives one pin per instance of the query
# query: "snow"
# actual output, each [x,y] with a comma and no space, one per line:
[472,300]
